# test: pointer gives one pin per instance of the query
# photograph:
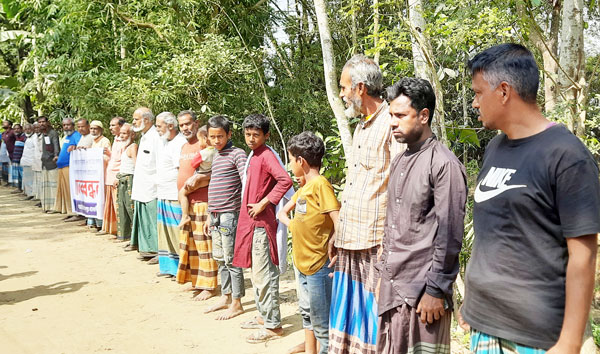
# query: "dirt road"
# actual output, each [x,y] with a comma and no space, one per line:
[65,290]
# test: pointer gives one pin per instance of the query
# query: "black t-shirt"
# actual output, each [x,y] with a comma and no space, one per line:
[531,195]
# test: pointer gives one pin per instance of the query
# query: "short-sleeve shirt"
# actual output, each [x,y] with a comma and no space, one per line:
[312,226]
[186,170]
[168,168]
[69,140]
[225,188]
[531,195]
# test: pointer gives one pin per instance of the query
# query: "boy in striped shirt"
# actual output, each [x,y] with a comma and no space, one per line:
[224,201]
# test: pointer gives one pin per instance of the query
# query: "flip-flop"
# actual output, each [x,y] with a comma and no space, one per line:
[251,324]
[261,336]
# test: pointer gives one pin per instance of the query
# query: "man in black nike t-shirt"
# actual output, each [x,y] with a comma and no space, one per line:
[530,279]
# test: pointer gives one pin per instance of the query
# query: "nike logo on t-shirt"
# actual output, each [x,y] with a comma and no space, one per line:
[496,178]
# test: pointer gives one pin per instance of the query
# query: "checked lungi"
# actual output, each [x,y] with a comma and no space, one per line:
[37,184]
[109,220]
[353,315]
[482,343]
[15,176]
[169,215]
[196,263]
[401,331]
[125,206]
[48,189]
[28,181]
[144,233]
[63,192]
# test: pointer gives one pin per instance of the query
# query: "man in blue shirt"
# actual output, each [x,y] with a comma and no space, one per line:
[63,193]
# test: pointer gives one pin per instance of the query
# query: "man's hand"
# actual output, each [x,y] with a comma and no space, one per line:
[332,252]
[55,158]
[106,152]
[564,348]
[430,308]
[116,183]
[461,321]
[257,208]
[71,148]
[207,228]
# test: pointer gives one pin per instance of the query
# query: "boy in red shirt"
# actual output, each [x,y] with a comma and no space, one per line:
[256,244]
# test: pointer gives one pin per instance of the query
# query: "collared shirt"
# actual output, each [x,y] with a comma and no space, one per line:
[37,152]
[50,149]
[28,150]
[423,226]
[114,162]
[364,198]
[65,154]
[168,168]
[265,177]
[144,177]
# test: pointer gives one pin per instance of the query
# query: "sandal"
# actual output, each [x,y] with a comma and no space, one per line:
[261,336]
[251,324]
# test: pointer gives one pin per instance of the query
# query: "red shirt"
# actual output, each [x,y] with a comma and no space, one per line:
[186,170]
[265,178]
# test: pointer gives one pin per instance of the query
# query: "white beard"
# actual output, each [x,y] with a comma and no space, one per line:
[140,128]
[353,110]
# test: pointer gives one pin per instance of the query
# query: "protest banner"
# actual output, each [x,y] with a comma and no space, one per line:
[86,178]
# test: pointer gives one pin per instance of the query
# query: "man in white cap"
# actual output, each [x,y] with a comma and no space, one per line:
[98,141]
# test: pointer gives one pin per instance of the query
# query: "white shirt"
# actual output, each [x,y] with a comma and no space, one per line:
[28,151]
[37,152]
[144,176]
[168,168]
[86,141]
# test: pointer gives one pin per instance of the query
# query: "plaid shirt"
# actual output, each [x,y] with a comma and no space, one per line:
[364,199]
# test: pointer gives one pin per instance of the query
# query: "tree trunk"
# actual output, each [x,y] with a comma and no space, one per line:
[571,76]
[354,27]
[548,47]
[424,65]
[330,77]
[376,29]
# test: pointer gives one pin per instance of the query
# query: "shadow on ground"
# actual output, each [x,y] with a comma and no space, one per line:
[17,275]
[16,296]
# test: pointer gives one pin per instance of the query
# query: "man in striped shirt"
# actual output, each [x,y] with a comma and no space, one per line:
[224,201]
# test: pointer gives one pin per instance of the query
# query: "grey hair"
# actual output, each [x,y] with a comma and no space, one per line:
[68,120]
[365,70]
[146,113]
[27,125]
[168,118]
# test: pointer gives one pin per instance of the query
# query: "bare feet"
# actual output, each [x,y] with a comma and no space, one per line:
[235,309]
[296,349]
[204,295]
[184,220]
[223,303]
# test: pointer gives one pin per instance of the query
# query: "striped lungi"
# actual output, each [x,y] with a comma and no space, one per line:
[169,215]
[48,188]
[125,206]
[63,192]
[15,177]
[353,314]
[144,233]
[196,263]
[482,343]
[28,181]
[401,331]
[37,184]
[109,220]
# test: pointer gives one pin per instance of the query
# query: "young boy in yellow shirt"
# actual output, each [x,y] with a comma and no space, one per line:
[314,223]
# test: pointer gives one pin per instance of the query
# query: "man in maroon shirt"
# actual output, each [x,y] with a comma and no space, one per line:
[256,244]
[8,139]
